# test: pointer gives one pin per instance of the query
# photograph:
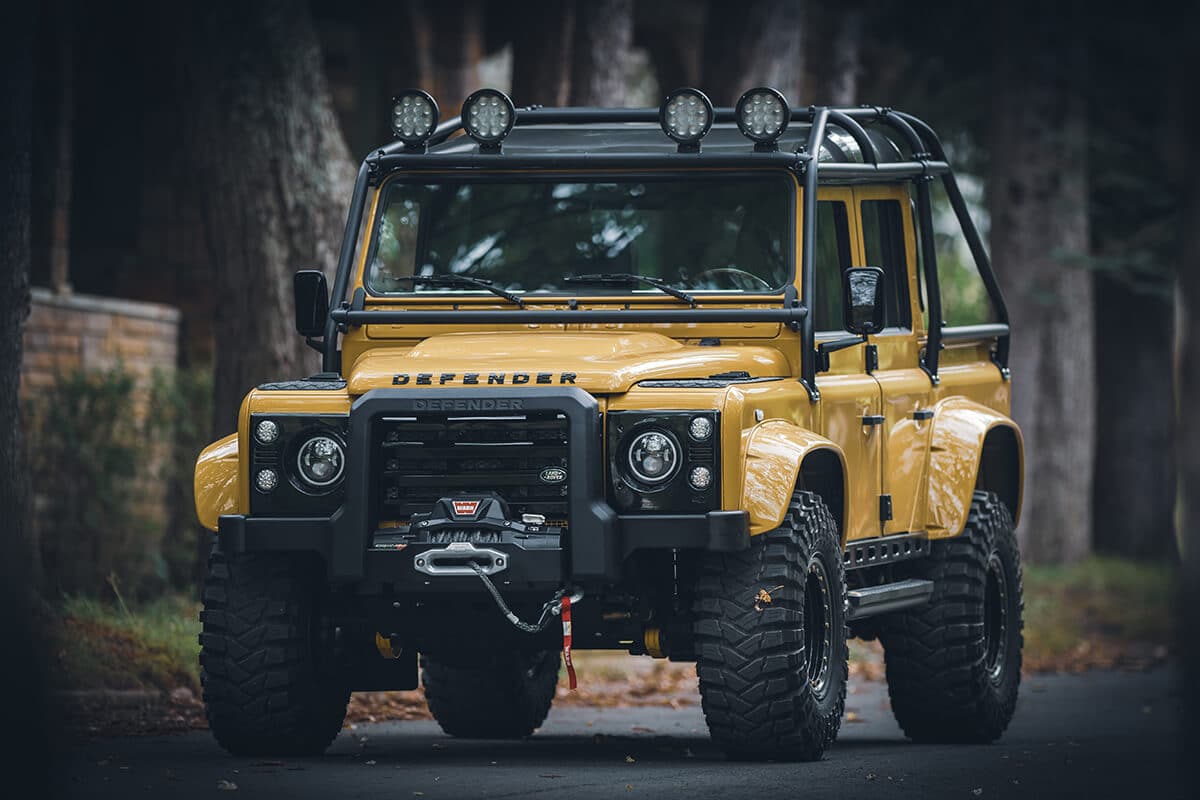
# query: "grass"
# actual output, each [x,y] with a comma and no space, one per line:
[1097,613]
[1100,613]
[99,645]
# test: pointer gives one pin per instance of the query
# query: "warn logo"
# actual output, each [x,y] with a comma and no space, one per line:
[465,508]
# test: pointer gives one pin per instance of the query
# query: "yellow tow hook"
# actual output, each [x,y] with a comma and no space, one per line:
[654,642]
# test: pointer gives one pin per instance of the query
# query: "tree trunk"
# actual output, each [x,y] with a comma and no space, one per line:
[835,55]
[541,52]
[1038,201]
[753,43]
[1135,474]
[457,48]
[274,178]
[1187,165]
[603,36]
[16,108]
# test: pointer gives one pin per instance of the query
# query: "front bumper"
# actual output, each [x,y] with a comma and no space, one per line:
[593,551]
[528,567]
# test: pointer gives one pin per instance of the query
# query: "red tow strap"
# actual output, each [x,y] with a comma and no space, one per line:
[566,622]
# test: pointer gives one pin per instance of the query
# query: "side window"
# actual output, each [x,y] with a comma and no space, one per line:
[965,299]
[883,241]
[832,256]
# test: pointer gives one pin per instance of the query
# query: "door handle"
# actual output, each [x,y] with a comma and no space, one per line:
[873,419]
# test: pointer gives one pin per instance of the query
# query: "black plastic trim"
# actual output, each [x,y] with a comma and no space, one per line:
[716,531]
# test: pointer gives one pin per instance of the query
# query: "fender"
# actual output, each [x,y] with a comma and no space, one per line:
[965,454]
[773,453]
[215,484]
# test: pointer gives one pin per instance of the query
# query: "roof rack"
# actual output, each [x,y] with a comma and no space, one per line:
[925,161]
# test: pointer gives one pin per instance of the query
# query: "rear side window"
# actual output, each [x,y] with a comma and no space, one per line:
[832,256]
[883,242]
[965,300]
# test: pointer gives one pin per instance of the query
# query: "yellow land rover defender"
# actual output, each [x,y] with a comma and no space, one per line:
[676,381]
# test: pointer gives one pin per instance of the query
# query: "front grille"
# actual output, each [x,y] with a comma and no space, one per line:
[423,458]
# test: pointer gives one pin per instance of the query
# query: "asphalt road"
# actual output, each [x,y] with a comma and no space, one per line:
[1096,736]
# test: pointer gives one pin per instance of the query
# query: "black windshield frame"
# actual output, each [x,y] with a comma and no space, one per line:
[580,293]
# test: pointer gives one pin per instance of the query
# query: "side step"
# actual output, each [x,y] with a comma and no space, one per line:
[886,598]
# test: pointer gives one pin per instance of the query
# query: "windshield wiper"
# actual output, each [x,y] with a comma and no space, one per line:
[626,279]
[447,279]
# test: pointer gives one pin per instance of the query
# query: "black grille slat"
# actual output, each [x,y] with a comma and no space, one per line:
[423,459]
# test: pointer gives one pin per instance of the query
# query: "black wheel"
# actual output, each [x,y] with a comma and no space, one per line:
[954,666]
[507,699]
[770,635]
[265,661]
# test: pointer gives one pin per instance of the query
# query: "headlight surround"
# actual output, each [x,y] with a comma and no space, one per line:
[320,461]
[307,454]
[652,456]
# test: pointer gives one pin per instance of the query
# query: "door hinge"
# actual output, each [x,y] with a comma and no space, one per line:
[872,356]
[885,507]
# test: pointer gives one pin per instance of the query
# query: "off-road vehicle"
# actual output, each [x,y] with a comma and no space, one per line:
[690,382]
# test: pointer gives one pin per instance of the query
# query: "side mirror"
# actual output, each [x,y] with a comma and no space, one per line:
[311,293]
[862,298]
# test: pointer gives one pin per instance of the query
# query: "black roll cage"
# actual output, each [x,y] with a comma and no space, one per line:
[926,162]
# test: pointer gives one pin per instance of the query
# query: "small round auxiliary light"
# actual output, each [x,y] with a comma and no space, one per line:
[266,432]
[414,117]
[685,116]
[266,480]
[762,115]
[488,115]
[700,478]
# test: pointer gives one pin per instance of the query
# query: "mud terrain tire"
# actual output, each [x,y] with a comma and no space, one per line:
[508,699]
[266,691]
[954,666]
[770,633]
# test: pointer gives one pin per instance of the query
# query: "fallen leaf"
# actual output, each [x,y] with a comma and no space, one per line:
[977,792]
[369,763]
[641,729]
[226,786]
[629,760]
[871,776]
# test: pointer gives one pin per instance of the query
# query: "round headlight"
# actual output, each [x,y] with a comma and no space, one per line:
[700,428]
[266,432]
[653,457]
[700,478]
[686,115]
[488,116]
[762,114]
[320,461]
[266,480]
[414,116]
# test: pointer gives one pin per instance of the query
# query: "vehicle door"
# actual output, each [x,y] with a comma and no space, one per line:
[850,404]
[888,241]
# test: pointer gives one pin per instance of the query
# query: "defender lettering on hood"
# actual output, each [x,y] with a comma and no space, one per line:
[477,378]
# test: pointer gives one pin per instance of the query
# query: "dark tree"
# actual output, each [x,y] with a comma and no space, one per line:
[16,77]
[274,178]
[599,60]
[834,53]
[754,43]
[1134,254]
[1039,238]
[541,45]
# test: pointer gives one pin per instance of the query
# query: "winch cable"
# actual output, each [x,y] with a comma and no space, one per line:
[552,608]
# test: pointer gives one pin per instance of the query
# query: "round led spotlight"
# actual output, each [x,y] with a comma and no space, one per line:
[488,115]
[414,116]
[653,457]
[700,428]
[266,480]
[320,461]
[762,115]
[700,478]
[685,116]
[267,432]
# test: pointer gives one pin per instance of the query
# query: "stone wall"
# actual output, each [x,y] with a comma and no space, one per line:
[67,333]
[72,331]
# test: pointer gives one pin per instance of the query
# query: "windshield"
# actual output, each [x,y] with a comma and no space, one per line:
[717,234]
